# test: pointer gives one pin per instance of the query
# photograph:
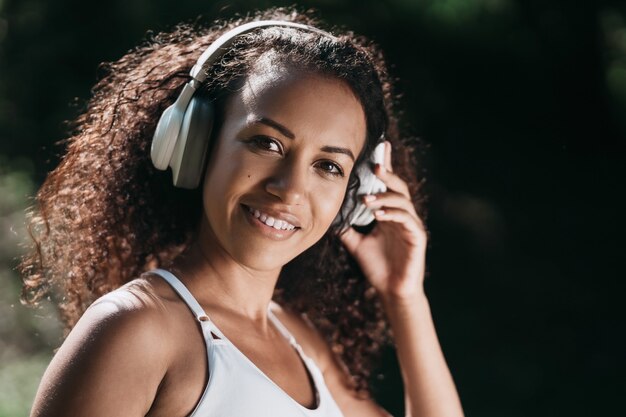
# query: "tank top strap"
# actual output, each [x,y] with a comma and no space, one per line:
[281,328]
[309,363]
[190,300]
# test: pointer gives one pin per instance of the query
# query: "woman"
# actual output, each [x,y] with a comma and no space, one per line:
[292,114]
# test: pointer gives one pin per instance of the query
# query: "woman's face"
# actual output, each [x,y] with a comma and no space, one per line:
[283,155]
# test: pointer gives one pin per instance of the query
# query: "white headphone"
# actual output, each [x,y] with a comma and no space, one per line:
[183,132]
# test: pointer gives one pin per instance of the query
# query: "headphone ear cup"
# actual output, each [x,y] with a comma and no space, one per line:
[357,213]
[165,136]
[369,184]
[191,149]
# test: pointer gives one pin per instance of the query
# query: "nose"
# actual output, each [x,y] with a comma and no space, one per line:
[289,182]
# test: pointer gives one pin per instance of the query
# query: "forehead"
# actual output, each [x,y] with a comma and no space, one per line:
[312,106]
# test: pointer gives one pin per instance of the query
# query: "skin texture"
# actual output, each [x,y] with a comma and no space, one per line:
[129,353]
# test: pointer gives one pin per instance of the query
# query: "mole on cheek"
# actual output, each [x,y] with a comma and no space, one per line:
[248,175]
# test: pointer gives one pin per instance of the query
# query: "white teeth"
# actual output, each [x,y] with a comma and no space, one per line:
[270,221]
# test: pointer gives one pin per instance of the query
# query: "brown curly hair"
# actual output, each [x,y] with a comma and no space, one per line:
[105,214]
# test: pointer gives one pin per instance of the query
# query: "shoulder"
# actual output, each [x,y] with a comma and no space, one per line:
[113,357]
[136,309]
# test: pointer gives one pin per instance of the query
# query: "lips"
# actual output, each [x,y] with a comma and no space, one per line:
[274,218]
[270,232]
[270,221]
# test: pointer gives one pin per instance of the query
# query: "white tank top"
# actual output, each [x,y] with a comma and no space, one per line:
[236,387]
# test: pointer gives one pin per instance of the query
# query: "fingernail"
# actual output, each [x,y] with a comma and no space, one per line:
[369,197]
[379,213]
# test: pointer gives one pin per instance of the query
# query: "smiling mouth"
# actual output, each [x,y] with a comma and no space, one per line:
[271,224]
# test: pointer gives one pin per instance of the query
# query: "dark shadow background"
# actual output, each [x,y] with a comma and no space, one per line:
[523,105]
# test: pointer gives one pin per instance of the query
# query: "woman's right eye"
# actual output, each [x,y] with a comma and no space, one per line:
[266,143]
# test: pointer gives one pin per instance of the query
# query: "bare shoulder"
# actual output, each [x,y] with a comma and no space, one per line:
[334,371]
[112,361]
[137,308]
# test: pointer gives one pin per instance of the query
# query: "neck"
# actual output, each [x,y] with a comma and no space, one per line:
[219,281]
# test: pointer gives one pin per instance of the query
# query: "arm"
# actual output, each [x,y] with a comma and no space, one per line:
[109,365]
[428,386]
[392,257]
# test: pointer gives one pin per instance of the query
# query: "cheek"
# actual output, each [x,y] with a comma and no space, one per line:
[226,175]
[328,204]
[220,185]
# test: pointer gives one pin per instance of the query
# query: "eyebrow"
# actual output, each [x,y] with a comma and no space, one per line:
[271,123]
[336,149]
[288,133]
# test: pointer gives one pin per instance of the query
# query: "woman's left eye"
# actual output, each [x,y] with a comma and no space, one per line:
[332,168]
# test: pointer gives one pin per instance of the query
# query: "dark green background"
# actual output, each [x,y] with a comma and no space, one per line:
[523,105]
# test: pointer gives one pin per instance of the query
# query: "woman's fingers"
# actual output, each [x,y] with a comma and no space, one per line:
[392,181]
[351,239]
[388,156]
[389,199]
[397,215]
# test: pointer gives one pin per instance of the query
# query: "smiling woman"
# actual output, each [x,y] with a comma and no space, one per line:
[243,288]
[275,154]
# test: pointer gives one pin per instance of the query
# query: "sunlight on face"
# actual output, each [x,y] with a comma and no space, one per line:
[286,149]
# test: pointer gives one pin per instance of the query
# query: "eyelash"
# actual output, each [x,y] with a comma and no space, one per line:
[256,140]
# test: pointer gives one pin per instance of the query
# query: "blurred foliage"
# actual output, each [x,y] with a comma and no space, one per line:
[26,336]
[523,104]
[613,24]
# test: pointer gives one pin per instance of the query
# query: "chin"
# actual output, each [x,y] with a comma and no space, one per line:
[262,260]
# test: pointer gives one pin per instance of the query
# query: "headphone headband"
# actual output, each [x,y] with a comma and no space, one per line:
[171,124]
[221,44]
